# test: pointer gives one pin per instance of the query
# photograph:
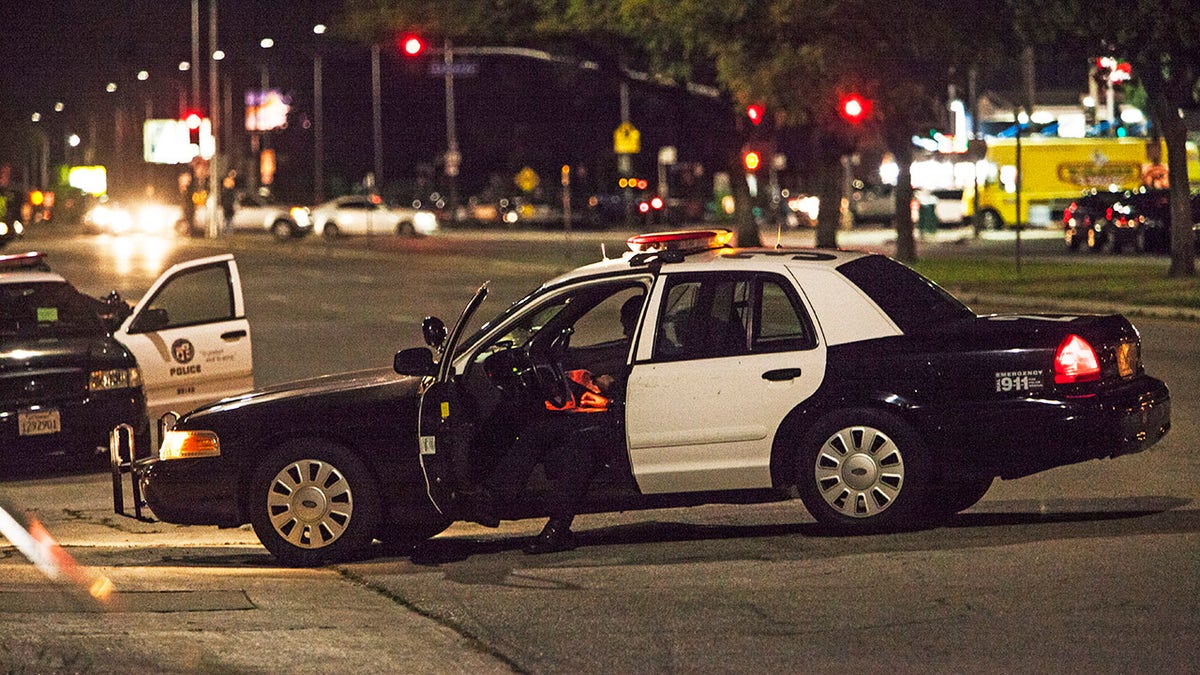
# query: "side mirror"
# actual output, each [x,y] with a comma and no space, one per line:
[414,361]
[434,331]
[151,319]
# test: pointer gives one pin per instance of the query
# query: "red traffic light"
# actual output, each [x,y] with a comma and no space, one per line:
[192,120]
[751,159]
[854,108]
[755,112]
[411,45]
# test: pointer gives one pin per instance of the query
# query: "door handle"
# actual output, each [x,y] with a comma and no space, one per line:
[781,374]
[233,335]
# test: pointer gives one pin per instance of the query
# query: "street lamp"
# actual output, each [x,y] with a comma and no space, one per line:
[318,121]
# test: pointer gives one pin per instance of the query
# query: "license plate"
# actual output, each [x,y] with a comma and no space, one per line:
[37,422]
[1127,358]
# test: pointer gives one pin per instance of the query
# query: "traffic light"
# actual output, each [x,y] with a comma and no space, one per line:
[411,45]
[751,159]
[854,108]
[755,112]
[193,120]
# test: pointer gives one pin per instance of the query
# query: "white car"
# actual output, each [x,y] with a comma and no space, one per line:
[369,214]
[254,213]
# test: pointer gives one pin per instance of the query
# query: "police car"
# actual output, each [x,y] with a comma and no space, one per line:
[753,374]
[73,367]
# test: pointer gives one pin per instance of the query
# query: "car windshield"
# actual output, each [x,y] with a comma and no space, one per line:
[47,309]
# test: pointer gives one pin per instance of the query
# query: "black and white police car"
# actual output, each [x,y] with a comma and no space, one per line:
[753,374]
[72,367]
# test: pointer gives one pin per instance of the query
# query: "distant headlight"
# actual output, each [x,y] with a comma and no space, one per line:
[188,444]
[300,214]
[425,221]
[18,227]
[114,378]
[3,229]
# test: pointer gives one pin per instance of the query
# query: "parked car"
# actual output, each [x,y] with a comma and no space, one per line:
[369,214]
[873,204]
[1144,218]
[1084,219]
[257,213]
[751,375]
[73,367]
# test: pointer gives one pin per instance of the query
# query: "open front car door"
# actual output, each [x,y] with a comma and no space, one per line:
[190,336]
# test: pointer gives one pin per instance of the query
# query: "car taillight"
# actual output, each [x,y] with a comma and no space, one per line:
[1075,361]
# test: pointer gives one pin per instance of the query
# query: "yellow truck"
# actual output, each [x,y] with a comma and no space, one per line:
[1055,171]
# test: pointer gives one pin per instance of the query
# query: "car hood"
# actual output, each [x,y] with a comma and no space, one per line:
[99,351]
[339,389]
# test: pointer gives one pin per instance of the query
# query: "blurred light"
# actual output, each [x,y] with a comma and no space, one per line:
[266,43]
[35,117]
[218,55]
[143,75]
[656,203]
[854,108]
[73,140]
[58,106]
[1089,102]
[751,159]
[185,66]
[110,87]
[1131,115]
[755,112]
[1042,117]
[319,29]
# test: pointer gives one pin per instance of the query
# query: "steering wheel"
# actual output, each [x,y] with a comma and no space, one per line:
[545,354]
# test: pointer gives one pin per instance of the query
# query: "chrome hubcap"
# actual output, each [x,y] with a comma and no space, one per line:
[310,503]
[859,472]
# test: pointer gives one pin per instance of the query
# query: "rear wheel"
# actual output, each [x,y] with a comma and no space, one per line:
[864,470]
[331,231]
[313,502]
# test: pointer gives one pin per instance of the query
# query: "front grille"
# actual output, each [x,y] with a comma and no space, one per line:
[42,386]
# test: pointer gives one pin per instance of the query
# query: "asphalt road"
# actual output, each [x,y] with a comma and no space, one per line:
[1089,568]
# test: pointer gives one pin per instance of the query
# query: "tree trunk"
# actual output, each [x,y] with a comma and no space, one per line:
[829,192]
[745,228]
[1183,245]
[906,245]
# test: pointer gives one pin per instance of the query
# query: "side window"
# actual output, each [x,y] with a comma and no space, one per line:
[781,323]
[703,317]
[714,315]
[603,324]
[199,296]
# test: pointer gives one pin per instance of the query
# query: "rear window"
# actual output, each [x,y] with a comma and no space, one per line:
[47,309]
[913,302]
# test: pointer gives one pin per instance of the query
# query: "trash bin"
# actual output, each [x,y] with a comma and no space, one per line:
[927,218]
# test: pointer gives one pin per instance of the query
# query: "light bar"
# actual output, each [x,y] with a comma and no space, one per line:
[681,240]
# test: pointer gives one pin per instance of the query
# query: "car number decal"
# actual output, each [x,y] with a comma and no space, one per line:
[1019,380]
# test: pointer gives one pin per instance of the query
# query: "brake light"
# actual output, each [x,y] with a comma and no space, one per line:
[1075,361]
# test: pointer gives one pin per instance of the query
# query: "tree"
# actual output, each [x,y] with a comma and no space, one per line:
[1161,41]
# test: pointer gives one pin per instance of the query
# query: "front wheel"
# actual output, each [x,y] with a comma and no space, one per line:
[864,470]
[990,220]
[313,502]
[330,231]
[282,230]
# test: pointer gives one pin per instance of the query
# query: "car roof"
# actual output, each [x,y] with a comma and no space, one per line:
[720,259]
[24,268]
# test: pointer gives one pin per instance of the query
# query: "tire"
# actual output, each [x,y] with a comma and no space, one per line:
[330,231]
[864,470]
[406,229]
[990,220]
[313,502]
[282,230]
[958,493]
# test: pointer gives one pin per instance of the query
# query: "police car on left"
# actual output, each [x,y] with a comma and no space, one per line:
[73,367]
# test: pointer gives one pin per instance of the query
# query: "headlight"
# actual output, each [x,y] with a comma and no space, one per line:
[3,229]
[188,444]
[425,221]
[18,227]
[114,378]
[300,215]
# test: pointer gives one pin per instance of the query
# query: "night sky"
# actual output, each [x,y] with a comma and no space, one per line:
[514,113]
